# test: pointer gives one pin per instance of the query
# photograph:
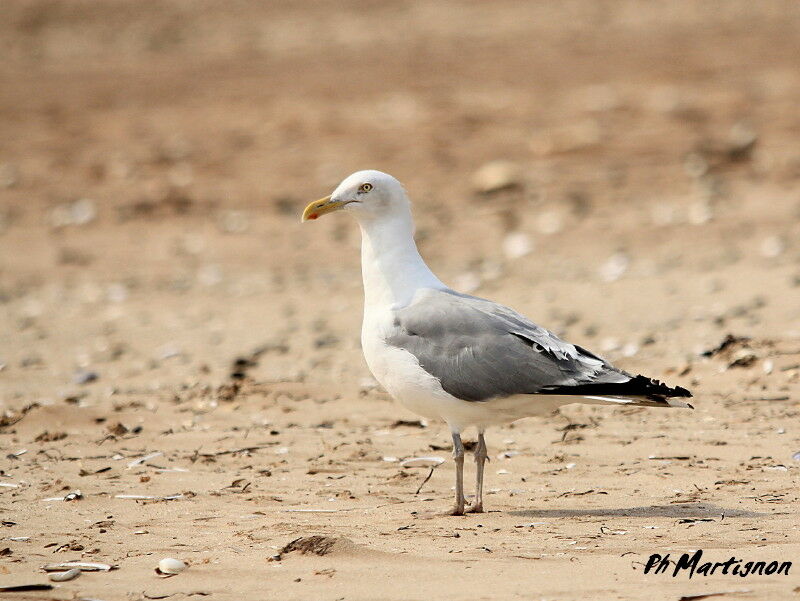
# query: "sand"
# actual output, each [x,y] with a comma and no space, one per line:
[158,293]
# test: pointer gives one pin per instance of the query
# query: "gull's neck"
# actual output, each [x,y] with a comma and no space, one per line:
[391,265]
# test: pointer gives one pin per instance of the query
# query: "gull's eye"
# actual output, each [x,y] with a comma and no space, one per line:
[365,187]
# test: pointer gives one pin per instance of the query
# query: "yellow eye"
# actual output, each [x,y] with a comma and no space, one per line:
[365,187]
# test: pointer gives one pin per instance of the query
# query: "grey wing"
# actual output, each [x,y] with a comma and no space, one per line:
[480,350]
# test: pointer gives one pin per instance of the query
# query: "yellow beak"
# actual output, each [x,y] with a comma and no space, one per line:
[319,207]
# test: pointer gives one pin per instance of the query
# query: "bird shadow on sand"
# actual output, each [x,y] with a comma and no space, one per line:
[683,510]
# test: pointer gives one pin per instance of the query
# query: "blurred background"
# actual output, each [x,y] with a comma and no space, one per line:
[626,173]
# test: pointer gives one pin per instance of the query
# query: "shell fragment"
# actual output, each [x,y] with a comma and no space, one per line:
[73,496]
[149,497]
[83,566]
[144,459]
[65,576]
[422,462]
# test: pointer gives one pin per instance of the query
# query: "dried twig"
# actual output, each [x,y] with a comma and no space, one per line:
[197,454]
[428,477]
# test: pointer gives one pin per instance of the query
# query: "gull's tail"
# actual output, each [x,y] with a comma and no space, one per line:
[637,391]
[637,402]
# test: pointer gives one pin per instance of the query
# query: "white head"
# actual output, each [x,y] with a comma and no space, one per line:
[368,195]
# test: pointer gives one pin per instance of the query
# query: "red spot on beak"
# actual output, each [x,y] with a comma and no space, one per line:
[313,216]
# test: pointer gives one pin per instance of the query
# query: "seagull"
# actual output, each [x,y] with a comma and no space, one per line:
[458,358]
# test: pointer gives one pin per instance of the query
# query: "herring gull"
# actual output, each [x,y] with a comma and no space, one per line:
[455,357]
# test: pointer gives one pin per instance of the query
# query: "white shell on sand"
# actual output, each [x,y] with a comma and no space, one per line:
[65,576]
[422,462]
[169,565]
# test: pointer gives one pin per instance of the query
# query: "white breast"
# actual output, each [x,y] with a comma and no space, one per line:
[398,371]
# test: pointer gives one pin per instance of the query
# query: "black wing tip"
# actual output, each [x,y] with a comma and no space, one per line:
[641,386]
[651,386]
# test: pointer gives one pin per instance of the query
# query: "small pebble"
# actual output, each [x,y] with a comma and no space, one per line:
[517,245]
[615,267]
[80,212]
[85,377]
[772,246]
[495,176]
[700,212]
[569,138]
[742,139]
[117,293]
[630,349]
[609,344]
[468,282]
[169,567]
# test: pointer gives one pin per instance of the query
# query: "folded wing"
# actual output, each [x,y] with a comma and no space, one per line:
[480,350]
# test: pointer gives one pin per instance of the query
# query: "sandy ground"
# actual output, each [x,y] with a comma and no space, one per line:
[154,160]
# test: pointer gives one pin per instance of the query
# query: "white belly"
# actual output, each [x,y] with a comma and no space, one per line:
[399,372]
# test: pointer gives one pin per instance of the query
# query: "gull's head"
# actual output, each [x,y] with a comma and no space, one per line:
[367,195]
